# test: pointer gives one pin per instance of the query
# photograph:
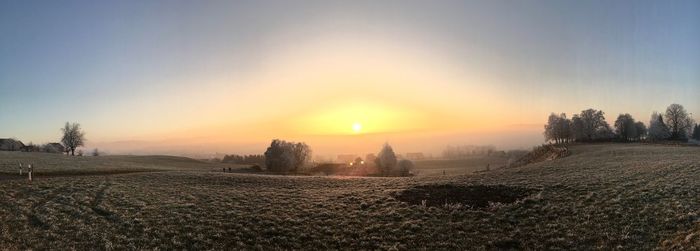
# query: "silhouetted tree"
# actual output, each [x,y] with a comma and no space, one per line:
[590,125]
[302,154]
[641,130]
[657,128]
[550,128]
[577,128]
[283,156]
[558,128]
[678,121]
[73,137]
[386,159]
[626,127]
[696,132]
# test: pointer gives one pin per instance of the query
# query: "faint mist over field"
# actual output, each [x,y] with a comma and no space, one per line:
[429,143]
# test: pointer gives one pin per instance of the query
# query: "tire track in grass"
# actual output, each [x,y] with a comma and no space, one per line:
[99,196]
[30,214]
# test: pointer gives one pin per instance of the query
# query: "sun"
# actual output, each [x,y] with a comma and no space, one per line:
[356,127]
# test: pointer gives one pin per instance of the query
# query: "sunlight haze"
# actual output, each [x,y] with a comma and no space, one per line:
[343,76]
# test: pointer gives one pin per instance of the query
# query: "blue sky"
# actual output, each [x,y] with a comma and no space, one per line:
[130,70]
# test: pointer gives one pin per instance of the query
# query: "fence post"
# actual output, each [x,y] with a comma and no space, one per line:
[29,169]
[20,169]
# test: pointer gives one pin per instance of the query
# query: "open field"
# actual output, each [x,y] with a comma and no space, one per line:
[459,166]
[48,164]
[615,196]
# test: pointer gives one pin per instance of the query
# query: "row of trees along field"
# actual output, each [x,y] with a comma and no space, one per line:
[290,157]
[590,125]
[244,159]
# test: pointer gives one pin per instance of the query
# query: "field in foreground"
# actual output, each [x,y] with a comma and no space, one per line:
[620,196]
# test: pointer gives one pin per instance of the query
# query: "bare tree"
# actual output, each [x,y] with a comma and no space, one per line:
[73,137]
[678,121]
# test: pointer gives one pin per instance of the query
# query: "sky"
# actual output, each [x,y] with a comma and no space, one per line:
[185,77]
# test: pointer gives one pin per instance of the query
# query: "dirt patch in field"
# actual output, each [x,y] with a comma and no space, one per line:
[478,196]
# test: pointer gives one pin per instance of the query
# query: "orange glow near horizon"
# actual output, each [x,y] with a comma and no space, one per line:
[368,118]
[330,90]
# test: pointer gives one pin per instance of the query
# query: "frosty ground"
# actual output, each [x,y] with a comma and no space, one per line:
[602,196]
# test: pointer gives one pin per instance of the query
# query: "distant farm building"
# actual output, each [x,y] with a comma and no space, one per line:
[415,156]
[11,145]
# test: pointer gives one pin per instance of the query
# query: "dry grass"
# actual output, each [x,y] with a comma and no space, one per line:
[459,166]
[631,197]
[47,164]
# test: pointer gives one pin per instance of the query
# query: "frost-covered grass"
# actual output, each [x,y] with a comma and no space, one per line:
[459,166]
[619,196]
[48,164]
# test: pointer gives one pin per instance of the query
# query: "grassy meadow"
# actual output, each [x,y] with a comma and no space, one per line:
[48,164]
[459,166]
[604,196]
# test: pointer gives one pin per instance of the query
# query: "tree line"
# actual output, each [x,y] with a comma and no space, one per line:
[244,159]
[456,152]
[291,157]
[590,125]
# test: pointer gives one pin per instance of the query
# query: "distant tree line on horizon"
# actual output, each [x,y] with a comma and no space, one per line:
[286,157]
[469,151]
[590,126]
[455,152]
[258,159]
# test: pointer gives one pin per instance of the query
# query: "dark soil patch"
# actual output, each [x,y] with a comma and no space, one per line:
[478,196]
